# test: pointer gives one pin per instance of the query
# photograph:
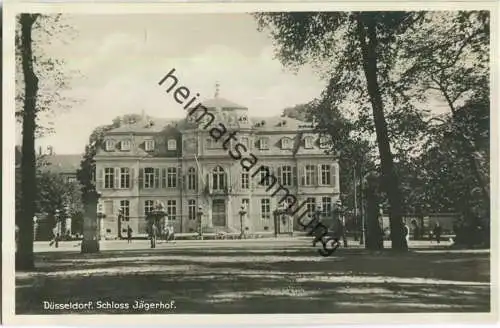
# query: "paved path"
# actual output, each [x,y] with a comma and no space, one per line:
[110,245]
[255,276]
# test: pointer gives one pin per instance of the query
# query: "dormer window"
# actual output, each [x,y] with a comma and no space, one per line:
[110,145]
[324,142]
[308,142]
[244,141]
[125,145]
[263,144]
[149,145]
[286,143]
[172,144]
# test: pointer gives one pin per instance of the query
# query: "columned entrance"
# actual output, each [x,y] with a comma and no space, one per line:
[219,212]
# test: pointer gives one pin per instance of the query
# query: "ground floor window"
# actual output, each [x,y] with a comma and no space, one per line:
[265,208]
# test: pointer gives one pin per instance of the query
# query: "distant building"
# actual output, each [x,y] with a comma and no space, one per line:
[180,164]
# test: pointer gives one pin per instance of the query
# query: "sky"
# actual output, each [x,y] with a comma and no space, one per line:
[121,58]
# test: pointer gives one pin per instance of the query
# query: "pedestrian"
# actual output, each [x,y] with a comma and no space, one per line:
[129,234]
[407,233]
[437,232]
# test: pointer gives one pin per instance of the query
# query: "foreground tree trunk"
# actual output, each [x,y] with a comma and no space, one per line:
[367,35]
[24,254]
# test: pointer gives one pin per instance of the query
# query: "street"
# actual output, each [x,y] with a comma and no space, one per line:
[255,276]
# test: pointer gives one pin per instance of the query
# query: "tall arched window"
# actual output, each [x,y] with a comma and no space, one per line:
[191,179]
[218,178]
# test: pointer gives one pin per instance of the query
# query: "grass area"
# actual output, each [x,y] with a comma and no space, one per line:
[260,279]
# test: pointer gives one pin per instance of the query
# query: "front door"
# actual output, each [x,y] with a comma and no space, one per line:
[219,212]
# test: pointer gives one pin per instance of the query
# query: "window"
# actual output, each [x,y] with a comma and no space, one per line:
[192,209]
[124,177]
[245,180]
[71,180]
[148,206]
[326,175]
[245,202]
[310,205]
[265,176]
[109,177]
[110,145]
[308,142]
[265,208]
[324,142]
[263,144]
[309,175]
[149,145]
[286,175]
[244,142]
[191,178]
[218,178]
[326,205]
[125,145]
[211,143]
[172,177]
[172,144]
[125,210]
[171,209]
[286,143]
[151,178]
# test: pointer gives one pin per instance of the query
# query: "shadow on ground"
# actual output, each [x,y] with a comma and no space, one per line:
[260,280]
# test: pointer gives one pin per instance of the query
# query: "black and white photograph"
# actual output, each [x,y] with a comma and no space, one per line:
[251,162]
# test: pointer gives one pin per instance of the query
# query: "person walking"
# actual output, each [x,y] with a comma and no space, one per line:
[407,234]
[129,234]
[437,232]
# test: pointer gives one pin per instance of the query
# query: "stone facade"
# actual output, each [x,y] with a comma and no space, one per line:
[183,165]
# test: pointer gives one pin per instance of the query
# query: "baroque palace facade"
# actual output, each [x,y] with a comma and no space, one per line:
[182,165]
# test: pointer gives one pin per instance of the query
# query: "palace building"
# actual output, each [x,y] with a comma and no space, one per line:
[187,166]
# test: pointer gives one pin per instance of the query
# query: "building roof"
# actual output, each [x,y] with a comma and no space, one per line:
[223,103]
[65,164]
[149,124]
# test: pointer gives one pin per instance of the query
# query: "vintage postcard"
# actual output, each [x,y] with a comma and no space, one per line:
[273,163]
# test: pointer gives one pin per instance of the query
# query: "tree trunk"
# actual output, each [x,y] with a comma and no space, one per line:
[374,234]
[367,30]
[24,254]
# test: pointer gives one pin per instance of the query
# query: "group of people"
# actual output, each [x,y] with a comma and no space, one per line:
[434,235]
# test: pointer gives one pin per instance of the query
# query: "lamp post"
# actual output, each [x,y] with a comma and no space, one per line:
[91,224]
[200,221]
[242,213]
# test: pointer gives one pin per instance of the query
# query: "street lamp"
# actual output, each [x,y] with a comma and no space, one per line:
[200,216]
[242,213]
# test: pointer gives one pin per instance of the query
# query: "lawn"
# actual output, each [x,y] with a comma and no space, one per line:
[260,278]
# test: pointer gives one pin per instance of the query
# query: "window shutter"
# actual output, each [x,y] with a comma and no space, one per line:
[117,178]
[303,176]
[131,177]
[280,170]
[180,177]
[294,177]
[157,178]
[164,178]
[100,178]
[334,176]
[319,180]
[140,178]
